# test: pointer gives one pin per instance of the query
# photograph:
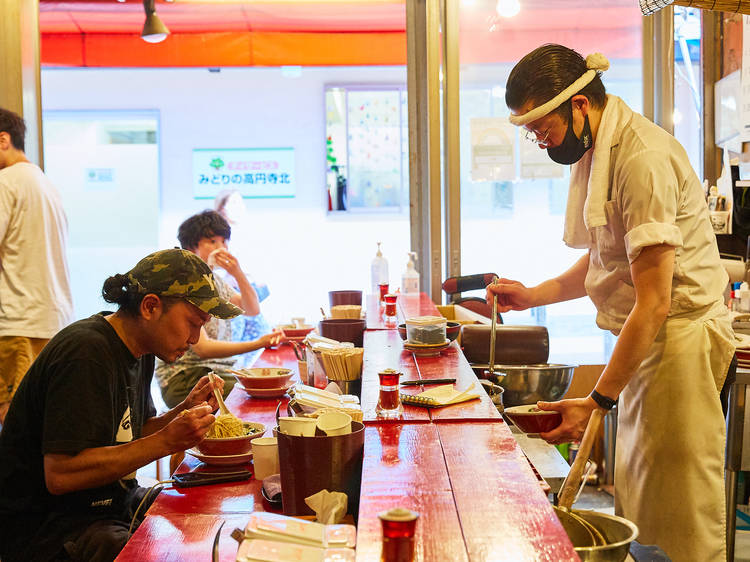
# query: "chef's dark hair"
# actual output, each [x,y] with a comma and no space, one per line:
[545,72]
[13,124]
[118,289]
[206,224]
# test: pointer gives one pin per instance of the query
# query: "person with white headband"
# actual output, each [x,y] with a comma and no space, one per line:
[652,270]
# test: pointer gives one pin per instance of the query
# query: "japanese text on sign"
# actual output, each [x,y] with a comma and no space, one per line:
[254,172]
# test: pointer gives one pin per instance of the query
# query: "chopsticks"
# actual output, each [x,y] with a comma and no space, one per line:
[299,351]
[342,364]
[427,381]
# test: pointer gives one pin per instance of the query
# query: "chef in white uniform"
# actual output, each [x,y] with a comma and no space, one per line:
[652,270]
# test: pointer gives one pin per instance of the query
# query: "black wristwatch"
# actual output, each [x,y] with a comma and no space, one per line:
[603,401]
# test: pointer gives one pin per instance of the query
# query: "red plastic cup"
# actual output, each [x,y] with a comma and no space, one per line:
[390,304]
[398,534]
[383,290]
[389,400]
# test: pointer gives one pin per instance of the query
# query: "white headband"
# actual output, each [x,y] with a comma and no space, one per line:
[594,62]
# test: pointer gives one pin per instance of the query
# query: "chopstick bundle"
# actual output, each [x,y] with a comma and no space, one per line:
[346,311]
[342,364]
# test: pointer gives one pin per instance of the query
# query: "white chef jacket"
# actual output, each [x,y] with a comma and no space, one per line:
[654,198]
[670,434]
[35,296]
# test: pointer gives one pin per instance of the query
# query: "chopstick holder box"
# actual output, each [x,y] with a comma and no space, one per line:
[281,528]
[256,550]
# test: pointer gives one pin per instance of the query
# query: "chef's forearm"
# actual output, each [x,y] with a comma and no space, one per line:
[652,274]
[635,339]
[564,287]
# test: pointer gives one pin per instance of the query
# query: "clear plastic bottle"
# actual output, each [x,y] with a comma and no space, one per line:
[378,271]
[410,278]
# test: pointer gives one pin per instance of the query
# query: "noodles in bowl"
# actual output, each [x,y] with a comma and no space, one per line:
[226,425]
[230,436]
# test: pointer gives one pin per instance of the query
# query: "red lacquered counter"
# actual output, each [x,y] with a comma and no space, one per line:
[459,466]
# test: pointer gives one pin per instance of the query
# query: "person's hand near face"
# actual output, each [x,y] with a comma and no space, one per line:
[229,262]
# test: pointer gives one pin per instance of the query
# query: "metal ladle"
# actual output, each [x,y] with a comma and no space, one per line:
[491,370]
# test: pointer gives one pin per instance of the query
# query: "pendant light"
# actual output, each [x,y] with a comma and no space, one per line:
[154,30]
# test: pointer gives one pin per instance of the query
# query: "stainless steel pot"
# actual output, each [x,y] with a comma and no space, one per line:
[527,384]
[618,532]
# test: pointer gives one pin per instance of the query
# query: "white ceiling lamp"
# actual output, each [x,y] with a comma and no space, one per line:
[154,30]
[508,8]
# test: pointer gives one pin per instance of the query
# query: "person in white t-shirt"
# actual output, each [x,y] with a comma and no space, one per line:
[35,298]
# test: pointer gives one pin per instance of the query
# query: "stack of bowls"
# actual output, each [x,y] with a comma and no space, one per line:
[264,382]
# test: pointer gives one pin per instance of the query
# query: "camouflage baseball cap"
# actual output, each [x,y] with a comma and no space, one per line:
[179,273]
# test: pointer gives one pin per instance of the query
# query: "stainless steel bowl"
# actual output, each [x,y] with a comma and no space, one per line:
[527,384]
[618,531]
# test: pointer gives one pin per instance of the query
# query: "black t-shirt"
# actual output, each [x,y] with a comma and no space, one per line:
[85,390]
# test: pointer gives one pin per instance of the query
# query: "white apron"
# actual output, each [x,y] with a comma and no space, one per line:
[640,190]
[669,462]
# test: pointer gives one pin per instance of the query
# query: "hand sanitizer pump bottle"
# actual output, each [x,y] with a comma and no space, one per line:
[410,278]
[378,271]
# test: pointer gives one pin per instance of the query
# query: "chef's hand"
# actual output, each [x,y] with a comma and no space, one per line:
[188,427]
[230,263]
[575,416]
[203,392]
[511,295]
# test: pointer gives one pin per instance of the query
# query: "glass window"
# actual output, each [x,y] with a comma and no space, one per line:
[688,84]
[106,166]
[367,148]
[513,197]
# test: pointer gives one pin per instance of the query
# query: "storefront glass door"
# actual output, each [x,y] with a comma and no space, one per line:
[513,196]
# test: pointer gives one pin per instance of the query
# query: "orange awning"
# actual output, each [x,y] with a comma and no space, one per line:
[333,33]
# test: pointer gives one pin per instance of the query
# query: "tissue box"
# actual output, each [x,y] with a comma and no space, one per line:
[270,551]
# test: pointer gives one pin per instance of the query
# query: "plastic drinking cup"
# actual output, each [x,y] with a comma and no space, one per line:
[303,427]
[265,457]
[335,423]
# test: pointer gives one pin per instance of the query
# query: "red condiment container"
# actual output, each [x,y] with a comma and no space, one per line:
[399,525]
[383,290]
[389,401]
[390,304]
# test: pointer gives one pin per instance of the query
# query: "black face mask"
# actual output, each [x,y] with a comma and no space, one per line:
[572,149]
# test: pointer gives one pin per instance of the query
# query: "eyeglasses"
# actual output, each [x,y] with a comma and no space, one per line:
[536,138]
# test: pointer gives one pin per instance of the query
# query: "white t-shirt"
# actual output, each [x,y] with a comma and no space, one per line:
[35,298]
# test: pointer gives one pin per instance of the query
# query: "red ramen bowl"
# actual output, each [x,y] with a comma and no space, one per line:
[530,419]
[263,377]
[224,446]
[296,332]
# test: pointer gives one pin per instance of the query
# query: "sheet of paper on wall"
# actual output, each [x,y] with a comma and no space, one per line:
[493,153]
[535,164]
[745,81]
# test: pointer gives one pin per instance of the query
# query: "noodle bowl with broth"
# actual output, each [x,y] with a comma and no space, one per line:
[230,436]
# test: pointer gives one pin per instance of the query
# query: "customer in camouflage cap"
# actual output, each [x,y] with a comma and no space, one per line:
[83,420]
[179,273]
